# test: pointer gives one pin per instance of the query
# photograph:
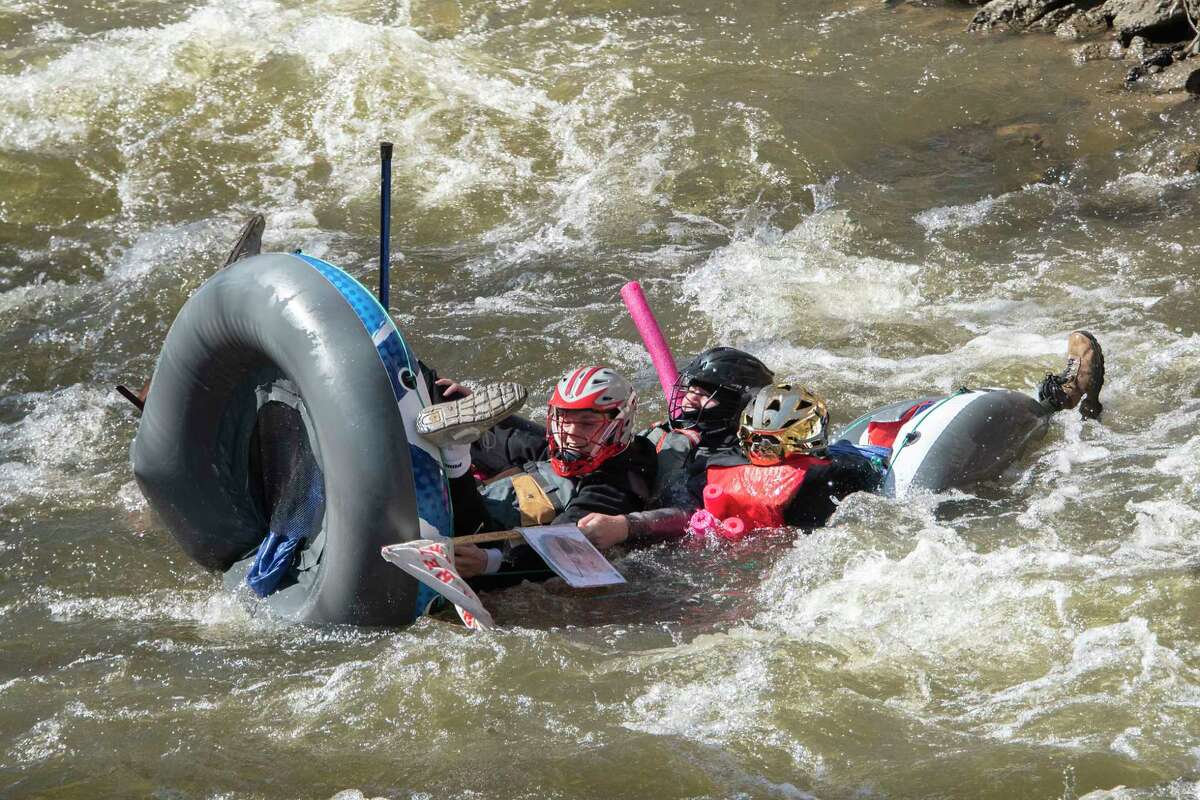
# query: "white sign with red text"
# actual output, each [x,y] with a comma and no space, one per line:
[431,564]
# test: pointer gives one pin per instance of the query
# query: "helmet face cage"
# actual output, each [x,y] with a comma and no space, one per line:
[781,422]
[729,375]
[729,401]
[595,389]
[570,458]
[762,448]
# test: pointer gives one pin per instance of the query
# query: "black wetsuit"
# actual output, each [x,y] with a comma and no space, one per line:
[681,482]
[512,442]
[620,485]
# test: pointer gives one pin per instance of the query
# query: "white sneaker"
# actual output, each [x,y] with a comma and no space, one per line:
[464,420]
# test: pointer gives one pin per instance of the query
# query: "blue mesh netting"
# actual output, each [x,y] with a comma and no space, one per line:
[292,492]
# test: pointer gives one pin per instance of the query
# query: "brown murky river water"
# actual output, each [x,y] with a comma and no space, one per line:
[877,203]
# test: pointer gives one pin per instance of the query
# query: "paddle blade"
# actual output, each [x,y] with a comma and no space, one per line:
[431,564]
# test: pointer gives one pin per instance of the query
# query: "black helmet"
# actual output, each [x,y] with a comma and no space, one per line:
[730,376]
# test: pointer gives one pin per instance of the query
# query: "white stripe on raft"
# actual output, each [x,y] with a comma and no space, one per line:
[929,424]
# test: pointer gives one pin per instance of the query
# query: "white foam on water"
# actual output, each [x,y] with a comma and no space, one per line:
[169,248]
[713,711]
[1180,789]
[938,603]
[1183,462]
[1060,484]
[718,690]
[16,7]
[45,740]
[47,107]
[955,218]
[130,498]
[469,132]
[46,294]
[1120,667]
[363,82]
[761,286]
[57,450]
[999,348]
[1168,528]
[53,31]
[221,614]
[1143,187]
[606,178]
[334,693]
[446,120]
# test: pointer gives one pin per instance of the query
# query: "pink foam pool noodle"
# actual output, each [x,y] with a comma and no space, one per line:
[715,501]
[652,338]
[702,523]
[733,529]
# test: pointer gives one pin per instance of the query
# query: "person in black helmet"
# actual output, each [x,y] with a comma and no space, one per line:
[702,423]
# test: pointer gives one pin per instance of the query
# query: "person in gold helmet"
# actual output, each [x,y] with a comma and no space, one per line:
[788,473]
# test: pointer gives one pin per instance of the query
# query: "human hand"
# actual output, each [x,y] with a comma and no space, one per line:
[604,530]
[470,560]
[452,389]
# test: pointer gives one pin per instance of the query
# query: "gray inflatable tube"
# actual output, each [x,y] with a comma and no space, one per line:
[951,441]
[284,397]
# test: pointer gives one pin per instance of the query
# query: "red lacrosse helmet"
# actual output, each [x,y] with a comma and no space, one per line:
[580,442]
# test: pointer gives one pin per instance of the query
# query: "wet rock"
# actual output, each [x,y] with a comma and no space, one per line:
[1157,20]
[1054,19]
[1013,13]
[1137,50]
[1152,62]
[1081,25]
[1162,57]
[1189,161]
[1179,76]
[1098,51]
[1184,161]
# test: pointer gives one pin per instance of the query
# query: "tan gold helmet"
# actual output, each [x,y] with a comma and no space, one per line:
[783,420]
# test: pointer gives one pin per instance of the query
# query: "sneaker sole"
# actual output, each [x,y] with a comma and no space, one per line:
[466,419]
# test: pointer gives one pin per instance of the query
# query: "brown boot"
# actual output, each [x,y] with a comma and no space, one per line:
[1080,383]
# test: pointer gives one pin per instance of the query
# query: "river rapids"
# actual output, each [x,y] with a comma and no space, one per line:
[877,203]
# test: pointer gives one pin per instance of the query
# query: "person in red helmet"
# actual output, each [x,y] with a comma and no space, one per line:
[589,419]
[593,463]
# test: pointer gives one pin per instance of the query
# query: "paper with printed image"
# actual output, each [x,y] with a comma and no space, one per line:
[572,557]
